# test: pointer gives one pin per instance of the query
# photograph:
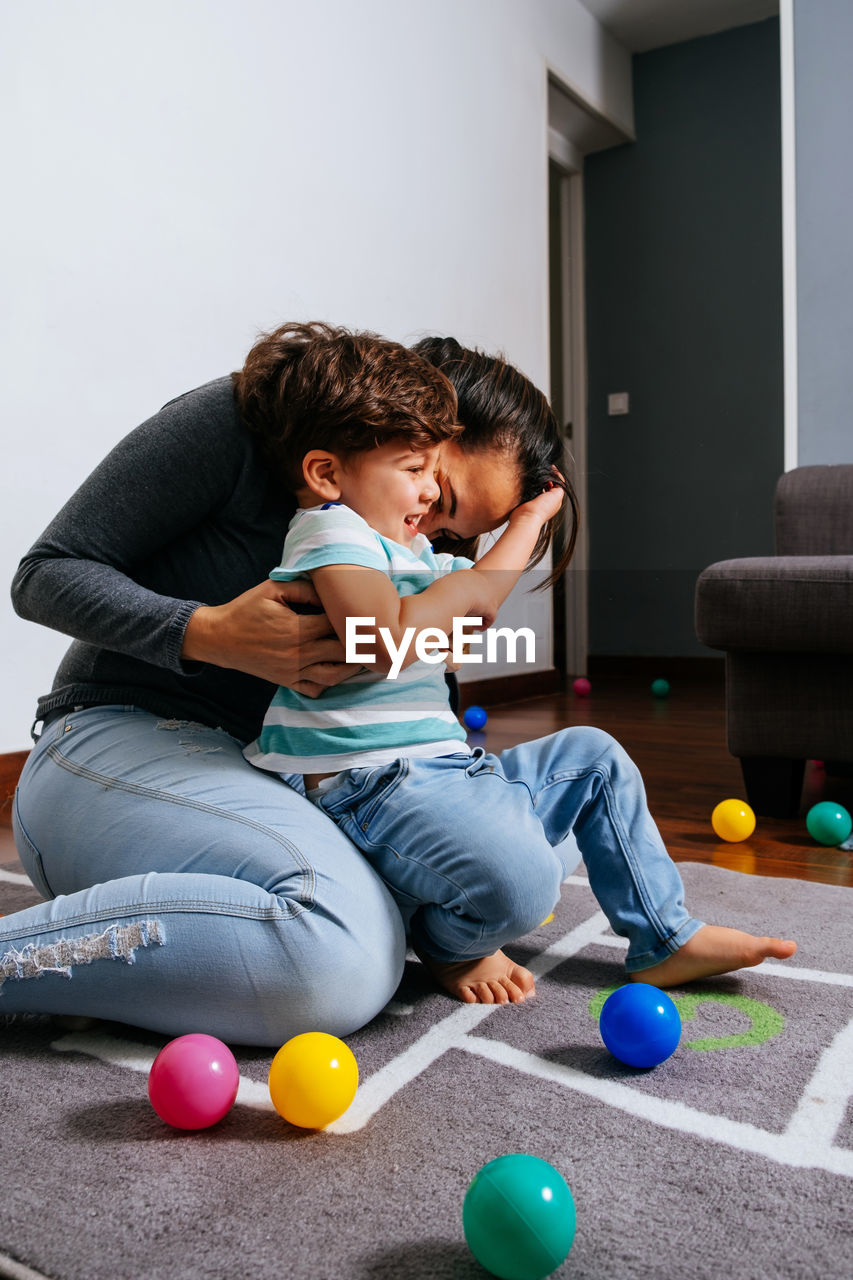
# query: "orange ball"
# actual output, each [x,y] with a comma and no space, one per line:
[733,820]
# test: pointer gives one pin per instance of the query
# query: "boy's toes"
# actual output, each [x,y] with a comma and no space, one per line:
[492,979]
[523,981]
[491,992]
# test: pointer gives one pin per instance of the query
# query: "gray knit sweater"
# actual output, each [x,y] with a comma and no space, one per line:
[182,512]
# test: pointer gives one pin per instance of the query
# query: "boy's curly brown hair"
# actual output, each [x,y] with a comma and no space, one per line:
[318,386]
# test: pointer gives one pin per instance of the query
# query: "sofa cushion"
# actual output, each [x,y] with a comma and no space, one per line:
[785,603]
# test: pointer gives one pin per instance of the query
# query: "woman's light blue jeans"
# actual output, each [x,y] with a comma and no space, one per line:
[190,891]
[472,846]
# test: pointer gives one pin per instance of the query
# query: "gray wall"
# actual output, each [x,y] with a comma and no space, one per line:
[823,103]
[684,287]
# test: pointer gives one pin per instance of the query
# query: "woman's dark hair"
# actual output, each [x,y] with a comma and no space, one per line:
[499,408]
[317,386]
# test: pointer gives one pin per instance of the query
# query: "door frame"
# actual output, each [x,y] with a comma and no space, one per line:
[575,129]
[571,604]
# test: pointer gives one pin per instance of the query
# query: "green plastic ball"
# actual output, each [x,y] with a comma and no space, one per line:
[660,688]
[519,1217]
[829,823]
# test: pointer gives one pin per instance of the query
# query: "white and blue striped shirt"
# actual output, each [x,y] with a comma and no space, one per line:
[368,719]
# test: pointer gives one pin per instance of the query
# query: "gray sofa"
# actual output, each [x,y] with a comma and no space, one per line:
[785,623]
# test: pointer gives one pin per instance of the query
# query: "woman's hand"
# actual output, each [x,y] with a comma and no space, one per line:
[259,633]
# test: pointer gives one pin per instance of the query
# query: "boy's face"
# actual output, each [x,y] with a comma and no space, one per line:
[391,487]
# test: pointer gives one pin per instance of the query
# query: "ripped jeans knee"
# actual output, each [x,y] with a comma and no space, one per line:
[118,942]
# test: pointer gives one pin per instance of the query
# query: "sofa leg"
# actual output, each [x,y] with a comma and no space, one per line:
[774,785]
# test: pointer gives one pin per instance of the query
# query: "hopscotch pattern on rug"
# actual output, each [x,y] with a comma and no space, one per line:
[15,877]
[807,1141]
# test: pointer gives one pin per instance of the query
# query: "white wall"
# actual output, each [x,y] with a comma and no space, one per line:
[181,174]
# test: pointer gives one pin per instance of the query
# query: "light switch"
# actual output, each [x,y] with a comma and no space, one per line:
[617,402]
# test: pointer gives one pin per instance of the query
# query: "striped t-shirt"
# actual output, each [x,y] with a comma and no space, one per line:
[368,719]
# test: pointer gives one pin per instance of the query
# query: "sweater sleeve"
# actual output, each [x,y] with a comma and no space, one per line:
[97,572]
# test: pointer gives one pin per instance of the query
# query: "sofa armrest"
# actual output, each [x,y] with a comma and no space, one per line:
[784,603]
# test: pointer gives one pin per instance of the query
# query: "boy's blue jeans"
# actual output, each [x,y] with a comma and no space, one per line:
[470,846]
[195,893]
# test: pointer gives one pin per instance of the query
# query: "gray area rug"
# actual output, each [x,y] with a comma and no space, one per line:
[734,1157]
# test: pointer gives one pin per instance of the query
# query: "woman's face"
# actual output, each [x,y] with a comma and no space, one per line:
[478,491]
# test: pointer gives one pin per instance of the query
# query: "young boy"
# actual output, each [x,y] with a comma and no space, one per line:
[468,843]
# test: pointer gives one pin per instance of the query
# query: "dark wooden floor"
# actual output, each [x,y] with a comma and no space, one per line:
[679,744]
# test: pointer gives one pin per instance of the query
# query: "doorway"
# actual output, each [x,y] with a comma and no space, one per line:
[575,130]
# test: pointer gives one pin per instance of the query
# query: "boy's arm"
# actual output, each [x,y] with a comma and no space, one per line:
[353,591]
[348,591]
[504,562]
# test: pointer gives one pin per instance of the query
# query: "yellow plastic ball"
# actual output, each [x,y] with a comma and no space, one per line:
[313,1079]
[733,820]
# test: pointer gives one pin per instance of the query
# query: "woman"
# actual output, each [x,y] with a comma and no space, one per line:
[197,893]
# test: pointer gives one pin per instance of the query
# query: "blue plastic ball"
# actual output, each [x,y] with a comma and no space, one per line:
[640,1025]
[519,1217]
[660,688]
[475,717]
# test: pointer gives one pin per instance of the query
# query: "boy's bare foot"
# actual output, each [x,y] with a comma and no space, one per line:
[492,980]
[713,949]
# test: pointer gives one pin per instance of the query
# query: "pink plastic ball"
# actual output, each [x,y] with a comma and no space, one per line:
[193,1082]
[582,687]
